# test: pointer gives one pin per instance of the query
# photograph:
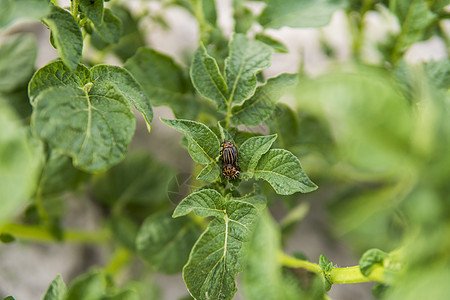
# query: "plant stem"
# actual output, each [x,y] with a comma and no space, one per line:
[42,234]
[119,259]
[354,275]
[197,6]
[74,8]
[293,262]
[337,275]
[228,115]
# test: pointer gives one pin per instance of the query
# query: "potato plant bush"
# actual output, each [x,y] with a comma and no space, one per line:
[372,135]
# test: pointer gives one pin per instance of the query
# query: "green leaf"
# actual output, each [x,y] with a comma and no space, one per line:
[284,172]
[66,35]
[6,238]
[17,56]
[414,17]
[13,10]
[299,13]
[56,290]
[243,17]
[162,79]
[124,82]
[274,43]
[110,29]
[203,144]
[125,229]
[262,104]
[58,175]
[439,73]
[326,267]
[94,128]
[164,243]
[204,203]
[263,277]
[209,11]
[209,173]
[93,9]
[7,7]
[207,79]
[325,264]
[18,100]
[20,163]
[132,36]
[283,122]
[56,74]
[370,259]
[252,149]
[130,294]
[246,58]
[89,286]
[136,187]
[217,256]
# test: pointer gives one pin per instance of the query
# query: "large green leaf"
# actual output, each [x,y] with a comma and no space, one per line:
[124,82]
[261,105]
[162,79]
[414,17]
[204,203]
[164,243]
[131,39]
[284,122]
[93,9]
[88,286]
[252,149]
[66,36]
[217,257]
[272,42]
[56,74]
[246,58]
[110,29]
[284,172]
[58,175]
[263,277]
[13,10]
[94,127]
[137,186]
[203,144]
[209,173]
[20,163]
[7,7]
[56,290]
[17,56]
[299,13]
[207,79]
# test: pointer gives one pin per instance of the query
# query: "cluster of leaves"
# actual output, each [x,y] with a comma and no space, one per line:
[377,137]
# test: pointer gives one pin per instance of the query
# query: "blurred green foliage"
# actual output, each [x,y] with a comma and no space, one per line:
[375,137]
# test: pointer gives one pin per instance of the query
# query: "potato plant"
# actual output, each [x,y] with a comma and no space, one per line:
[373,137]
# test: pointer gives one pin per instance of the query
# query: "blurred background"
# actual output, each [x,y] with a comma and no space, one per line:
[349,121]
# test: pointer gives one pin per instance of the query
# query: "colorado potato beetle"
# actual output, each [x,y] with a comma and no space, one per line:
[229,153]
[230,171]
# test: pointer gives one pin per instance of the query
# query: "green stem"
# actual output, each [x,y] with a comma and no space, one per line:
[337,275]
[74,8]
[197,6]
[43,234]
[292,262]
[228,115]
[119,259]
